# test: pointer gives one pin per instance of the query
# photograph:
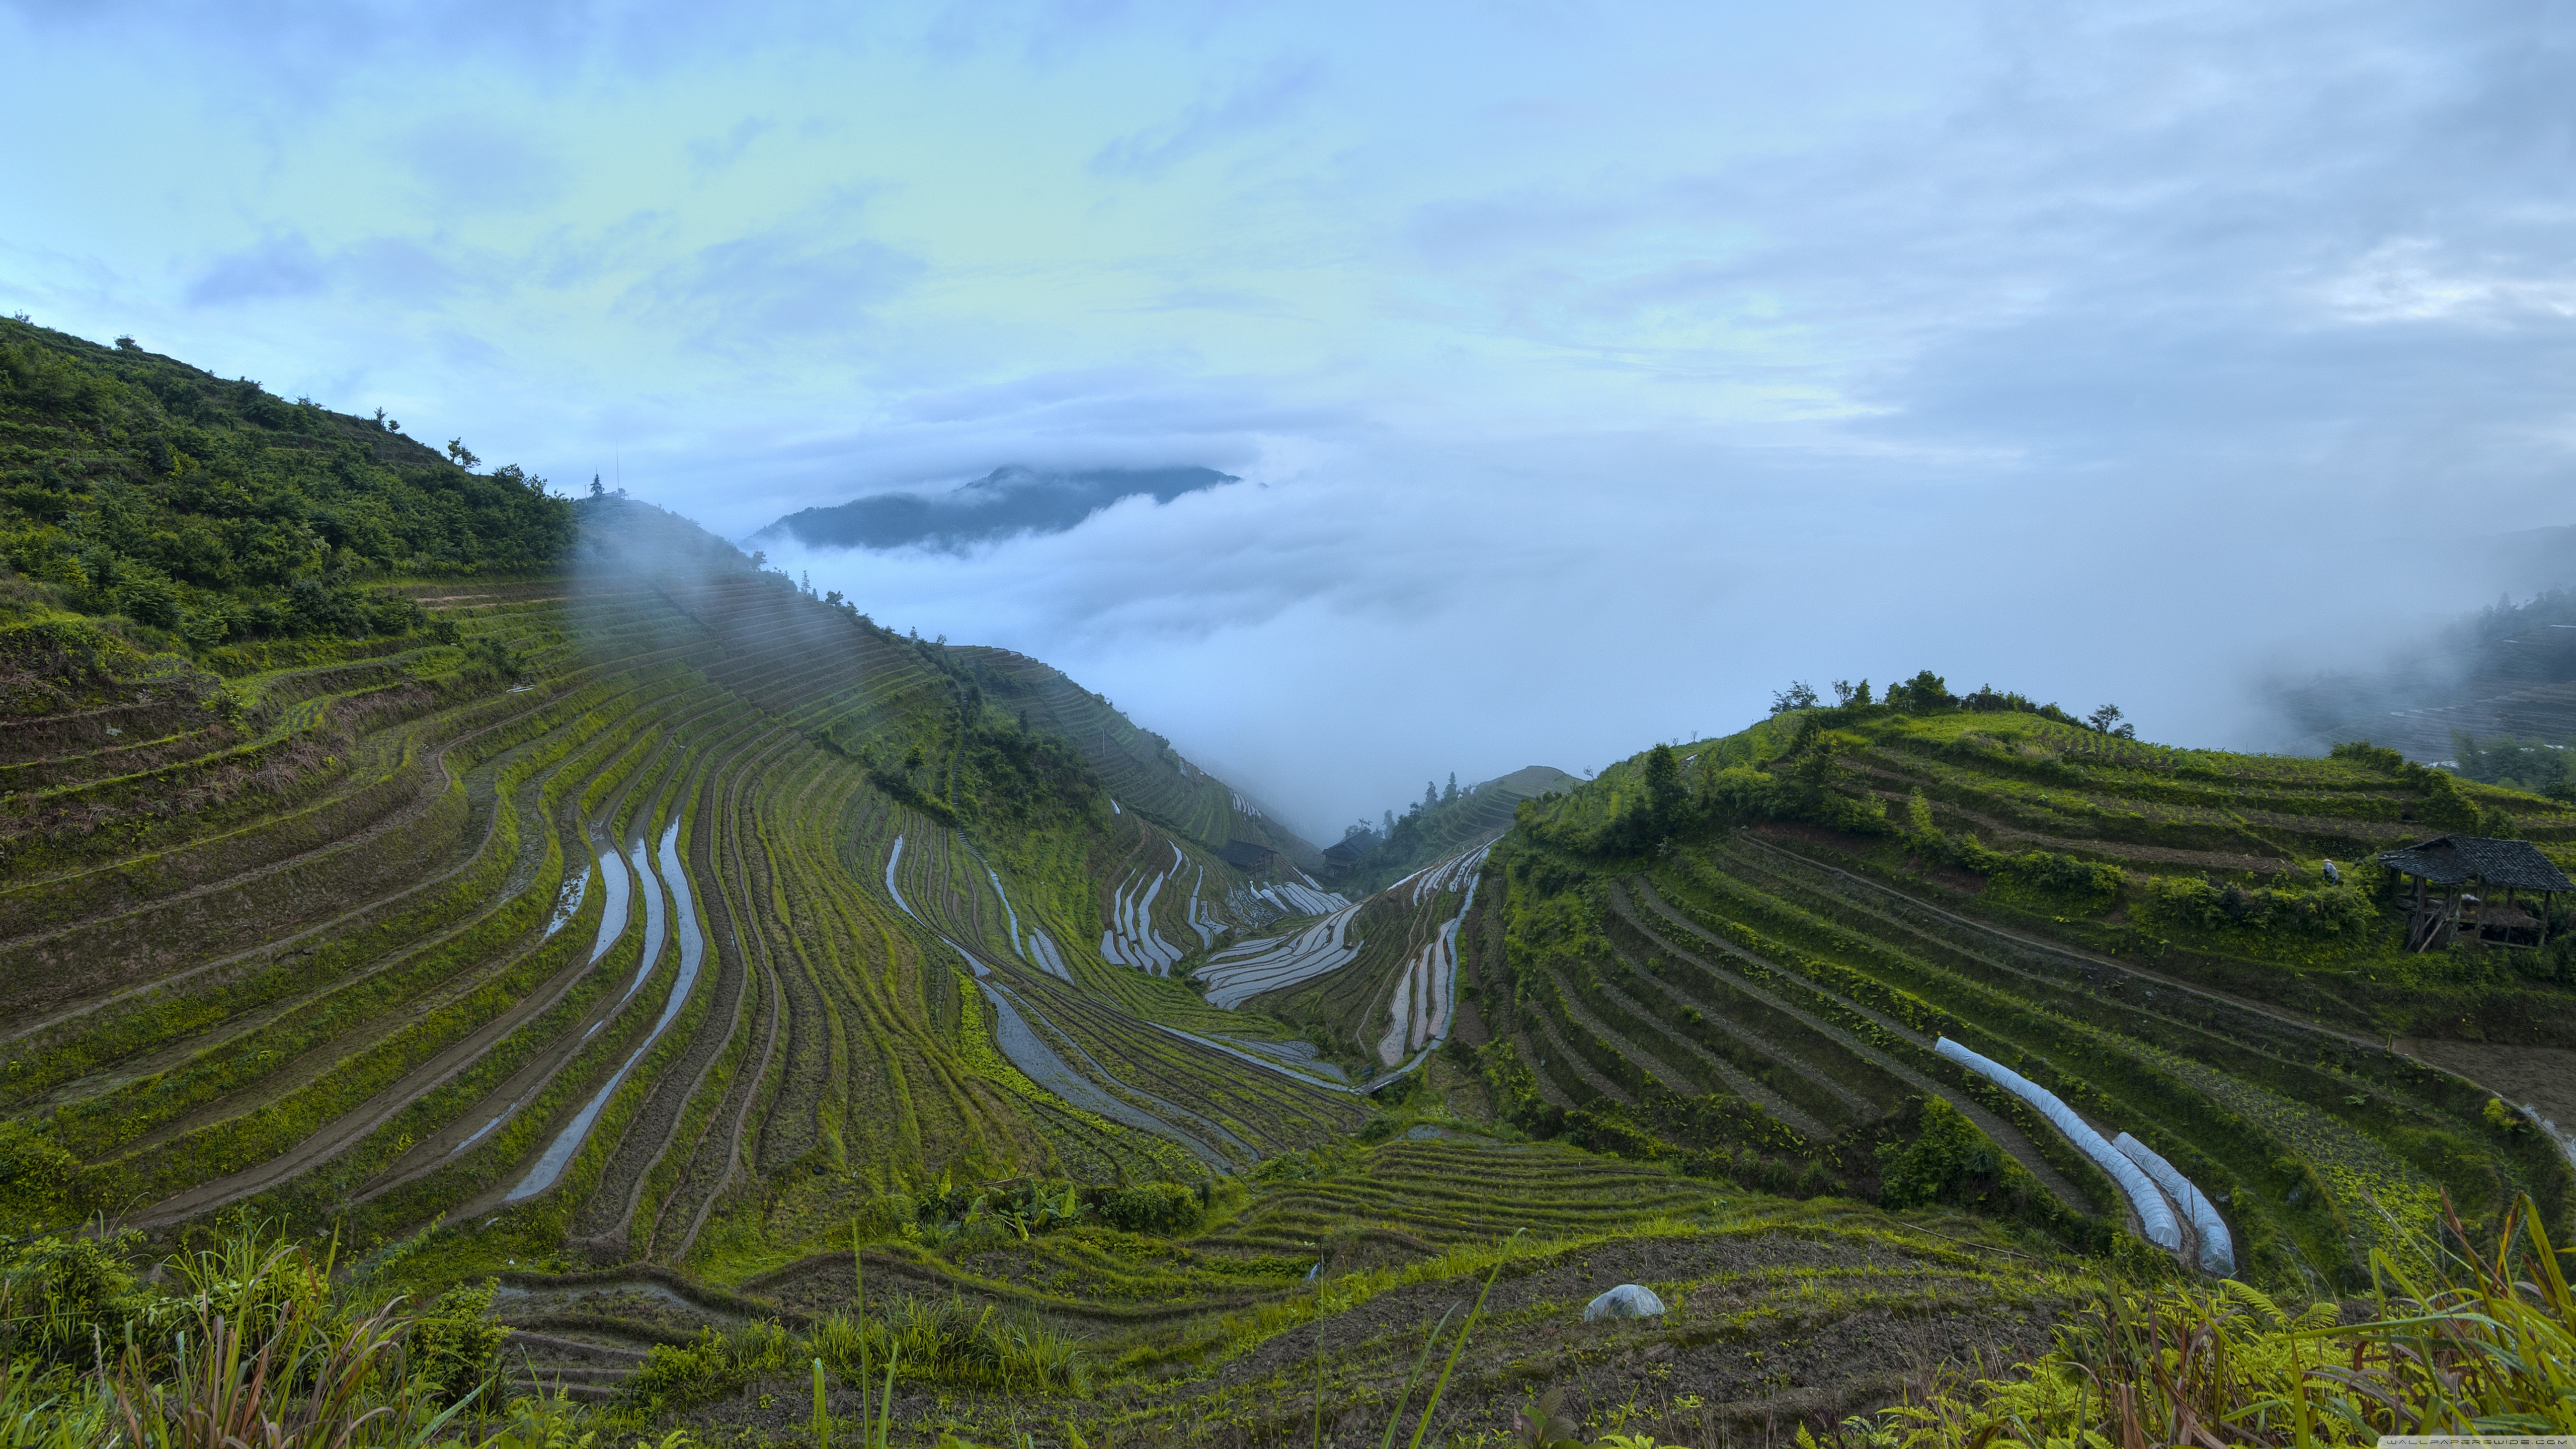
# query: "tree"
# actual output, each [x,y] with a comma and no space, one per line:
[1664,792]
[596,491]
[1430,795]
[1922,694]
[1388,826]
[460,454]
[1799,695]
[1450,794]
[2107,720]
[1848,693]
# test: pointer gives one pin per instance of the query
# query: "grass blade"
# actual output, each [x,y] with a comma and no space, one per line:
[1395,1420]
[1455,1349]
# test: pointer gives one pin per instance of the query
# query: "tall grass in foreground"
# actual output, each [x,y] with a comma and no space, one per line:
[254,1350]
[2462,1343]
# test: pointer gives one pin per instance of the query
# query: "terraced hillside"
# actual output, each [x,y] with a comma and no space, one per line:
[1375,983]
[398,857]
[660,886]
[1439,829]
[1320,1275]
[1140,768]
[1746,953]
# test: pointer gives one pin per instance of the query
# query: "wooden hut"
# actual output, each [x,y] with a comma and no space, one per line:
[1248,856]
[2455,880]
[1348,852]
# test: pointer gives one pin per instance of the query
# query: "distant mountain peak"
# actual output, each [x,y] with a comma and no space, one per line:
[1010,500]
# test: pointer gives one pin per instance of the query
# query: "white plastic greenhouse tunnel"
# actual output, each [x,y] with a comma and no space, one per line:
[2155,1215]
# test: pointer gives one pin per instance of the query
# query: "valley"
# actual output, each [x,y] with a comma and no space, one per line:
[535,893]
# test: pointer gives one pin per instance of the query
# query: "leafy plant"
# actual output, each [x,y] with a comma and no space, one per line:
[2464,1342]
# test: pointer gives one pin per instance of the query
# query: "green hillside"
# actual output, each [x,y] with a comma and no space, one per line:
[1739,954]
[1439,826]
[684,994]
[209,512]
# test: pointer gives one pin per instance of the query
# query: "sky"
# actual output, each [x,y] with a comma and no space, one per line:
[1593,370]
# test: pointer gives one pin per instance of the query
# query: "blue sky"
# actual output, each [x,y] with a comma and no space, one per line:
[1594,369]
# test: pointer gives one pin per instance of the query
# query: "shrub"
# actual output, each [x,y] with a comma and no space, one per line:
[68,1294]
[455,1348]
[2040,869]
[2363,752]
[934,1340]
[1162,1208]
[39,1181]
[2340,912]
[1949,1160]
[717,1366]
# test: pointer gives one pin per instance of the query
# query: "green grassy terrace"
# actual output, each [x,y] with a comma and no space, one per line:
[1739,953]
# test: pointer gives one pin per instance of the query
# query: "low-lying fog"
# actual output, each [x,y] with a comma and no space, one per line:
[1332,635]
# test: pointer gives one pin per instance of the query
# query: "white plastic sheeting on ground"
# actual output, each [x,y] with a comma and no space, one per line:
[1048,956]
[612,914]
[1302,898]
[1130,939]
[567,904]
[2155,1215]
[1628,1300]
[1239,973]
[2217,1249]
[1455,873]
[894,859]
[1201,919]
[559,1153]
[1006,905]
[1400,1015]
[1427,993]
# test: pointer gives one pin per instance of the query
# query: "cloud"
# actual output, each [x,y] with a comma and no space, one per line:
[2407,280]
[710,153]
[786,285]
[281,268]
[1266,100]
[472,163]
[284,266]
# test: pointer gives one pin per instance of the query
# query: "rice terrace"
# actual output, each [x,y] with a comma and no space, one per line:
[519,968]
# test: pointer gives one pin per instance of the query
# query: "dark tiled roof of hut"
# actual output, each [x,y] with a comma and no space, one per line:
[1245,855]
[1351,848]
[2452,859]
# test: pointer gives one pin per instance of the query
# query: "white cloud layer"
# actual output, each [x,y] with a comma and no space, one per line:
[1602,366]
